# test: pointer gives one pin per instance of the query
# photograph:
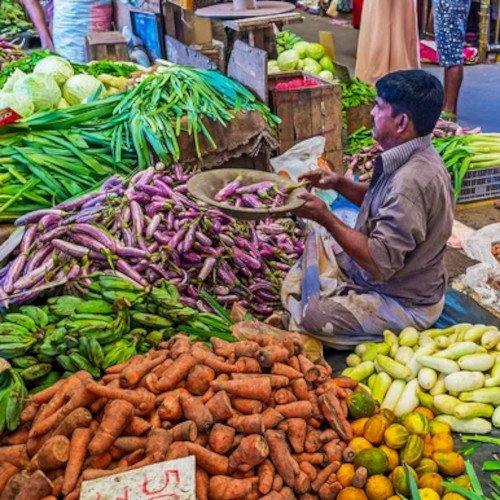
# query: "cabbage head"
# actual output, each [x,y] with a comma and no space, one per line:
[272,66]
[300,64]
[287,60]
[62,104]
[301,48]
[312,67]
[57,67]
[327,64]
[9,84]
[315,51]
[21,105]
[42,90]
[80,87]
[326,75]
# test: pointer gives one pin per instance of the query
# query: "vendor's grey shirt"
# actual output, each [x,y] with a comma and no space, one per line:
[407,215]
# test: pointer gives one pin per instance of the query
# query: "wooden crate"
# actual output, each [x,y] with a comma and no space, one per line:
[308,112]
[214,51]
[359,116]
[110,45]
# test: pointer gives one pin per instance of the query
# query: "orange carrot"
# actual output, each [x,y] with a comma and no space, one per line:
[246,348]
[284,396]
[333,451]
[29,411]
[206,357]
[196,411]
[323,475]
[294,363]
[271,418]
[158,441]
[132,458]
[34,444]
[15,455]
[277,483]
[176,372]
[98,405]
[286,371]
[296,432]
[247,365]
[116,416]
[273,495]
[273,354]
[299,386]
[136,427]
[330,489]
[118,368]
[202,480]
[312,458]
[89,474]
[220,406]
[277,381]
[212,462]
[252,451]
[328,435]
[313,441]
[281,457]
[35,487]
[179,345]
[222,347]
[57,485]
[199,378]
[20,436]
[54,454]
[247,406]
[98,461]
[332,411]
[316,411]
[247,424]
[7,470]
[132,374]
[309,469]
[226,488]
[221,438]
[177,449]
[140,398]
[259,389]
[345,382]
[266,476]
[80,417]
[185,431]
[129,444]
[170,408]
[78,449]
[298,409]
[46,395]
[302,483]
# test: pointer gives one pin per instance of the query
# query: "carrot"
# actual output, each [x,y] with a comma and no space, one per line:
[259,389]
[155,421]
[313,441]
[252,451]
[14,485]
[199,378]
[308,368]
[160,369]
[297,409]
[132,374]
[50,497]
[54,474]
[330,489]
[177,449]
[272,495]
[246,348]
[360,477]
[99,461]
[7,470]
[176,372]
[196,411]
[247,365]
[271,418]
[222,347]
[34,444]
[140,398]
[136,427]
[345,382]
[116,416]
[286,371]
[222,487]
[185,431]
[333,451]
[302,483]
[273,354]
[247,424]
[132,458]
[79,397]
[118,368]
[57,485]
[158,442]
[281,457]
[20,436]
[309,469]
[98,405]
[284,396]
[80,417]
[266,476]
[46,395]
[332,411]
[170,408]
[29,412]
[328,435]
[220,406]
[178,345]
[206,357]
[293,362]
[221,438]
[52,455]
[202,480]
[78,449]
[299,387]
[15,455]
[313,399]
[296,432]
[247,406]
[312,458]
[323,475]
[212,462]
[277,381]
[35,487]
[129,444]
[277,482]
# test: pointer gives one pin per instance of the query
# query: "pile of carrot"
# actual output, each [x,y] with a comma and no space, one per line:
[262,420]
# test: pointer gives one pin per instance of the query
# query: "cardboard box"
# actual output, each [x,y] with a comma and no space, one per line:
[195,30]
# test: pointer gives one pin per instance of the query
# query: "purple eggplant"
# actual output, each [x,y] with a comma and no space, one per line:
[28,238]
[228,190]
[14,272]
[95,232]
[175,240]
[34,217]
[126,269]
[207,268]
[130,252]
[153,226]
[255,188]
[70,248]
[227,299]
[30,279]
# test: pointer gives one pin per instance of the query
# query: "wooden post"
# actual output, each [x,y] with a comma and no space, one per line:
[484,29]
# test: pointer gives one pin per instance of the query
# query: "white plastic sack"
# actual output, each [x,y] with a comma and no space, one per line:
[478,246]
[478,277]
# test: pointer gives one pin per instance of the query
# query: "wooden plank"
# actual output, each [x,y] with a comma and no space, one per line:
[184,55]
[332,116]
[316,115]
[244,24]
[256,38]
[248,65]
[283,107]
[302,109]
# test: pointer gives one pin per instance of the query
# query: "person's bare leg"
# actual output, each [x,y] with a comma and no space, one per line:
[453,77]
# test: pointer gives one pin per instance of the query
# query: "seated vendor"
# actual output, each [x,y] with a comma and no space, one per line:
[394,257]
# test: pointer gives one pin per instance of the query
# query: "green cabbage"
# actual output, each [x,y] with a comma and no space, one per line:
[326,75]
[287,60]
[21,105]
[327,64]
[42,90]
[62,104]
[315,51]
[300,48]
[272,66]
[80,87]
[9,84]
[312,67]
[57,67]
[300,64]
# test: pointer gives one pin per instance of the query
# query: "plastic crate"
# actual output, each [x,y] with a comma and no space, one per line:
[480,184]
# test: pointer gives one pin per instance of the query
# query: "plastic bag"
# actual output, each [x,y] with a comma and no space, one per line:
[479,278]
[478,246]
[459,233]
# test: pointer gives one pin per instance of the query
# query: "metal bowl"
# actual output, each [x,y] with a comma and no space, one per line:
[205,185]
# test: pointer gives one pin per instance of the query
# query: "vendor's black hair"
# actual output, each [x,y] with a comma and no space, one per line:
[414,92]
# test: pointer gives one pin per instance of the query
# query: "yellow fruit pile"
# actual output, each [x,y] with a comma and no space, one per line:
[383,442]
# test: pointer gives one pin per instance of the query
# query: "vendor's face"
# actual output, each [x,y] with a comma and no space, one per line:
[385,126]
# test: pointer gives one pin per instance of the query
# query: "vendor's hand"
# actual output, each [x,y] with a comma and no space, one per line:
[314,208]
[321,179]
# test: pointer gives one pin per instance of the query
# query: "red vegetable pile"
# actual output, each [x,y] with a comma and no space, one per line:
[296,83]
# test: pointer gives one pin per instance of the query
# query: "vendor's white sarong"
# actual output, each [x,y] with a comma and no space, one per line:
[322,302]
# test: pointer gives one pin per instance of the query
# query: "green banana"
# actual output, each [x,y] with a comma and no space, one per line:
[96,354]
[4,400]
[94,307]
[154,337]
[37,314]
[91,317]
[15,349]
[113,295]
[63,305]
[13,329]
[21,320]
[23,362]
[151,320]
[15,403]
[109,282]
[35,372]
[66,363]
[83,363]
[45,382]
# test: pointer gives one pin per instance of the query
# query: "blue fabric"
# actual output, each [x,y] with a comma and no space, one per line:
[450,22]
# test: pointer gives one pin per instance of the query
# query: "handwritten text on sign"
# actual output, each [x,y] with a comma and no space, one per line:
[172,480]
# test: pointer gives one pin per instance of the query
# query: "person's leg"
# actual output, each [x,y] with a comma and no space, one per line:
[453,77]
